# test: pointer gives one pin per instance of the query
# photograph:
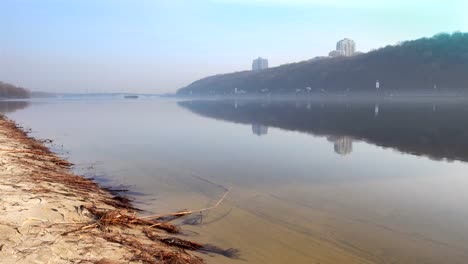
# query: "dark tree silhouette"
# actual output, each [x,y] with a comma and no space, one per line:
[428,65]
[10,91]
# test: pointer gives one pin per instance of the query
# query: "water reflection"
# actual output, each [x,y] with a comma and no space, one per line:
[434,129]
[12,106]
[259,130]
[292,199]
[342,145]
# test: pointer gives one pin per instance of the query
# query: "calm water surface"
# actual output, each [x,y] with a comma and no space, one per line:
[312,181]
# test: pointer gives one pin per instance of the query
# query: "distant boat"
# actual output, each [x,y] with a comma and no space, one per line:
[131,96]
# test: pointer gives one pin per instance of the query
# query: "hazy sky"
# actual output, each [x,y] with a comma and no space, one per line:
[160,46]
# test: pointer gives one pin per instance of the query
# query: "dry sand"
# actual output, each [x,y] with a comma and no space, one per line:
[41,200]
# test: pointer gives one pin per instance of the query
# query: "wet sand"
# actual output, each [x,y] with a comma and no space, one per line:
[43,212]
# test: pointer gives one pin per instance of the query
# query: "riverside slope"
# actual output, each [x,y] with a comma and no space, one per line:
[428,66]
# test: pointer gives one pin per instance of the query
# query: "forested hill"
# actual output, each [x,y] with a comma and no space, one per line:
[10,91]
[428,65]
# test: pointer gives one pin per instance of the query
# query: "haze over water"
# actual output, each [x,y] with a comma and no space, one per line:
[312,181]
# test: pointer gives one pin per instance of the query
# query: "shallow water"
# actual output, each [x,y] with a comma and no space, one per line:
[312,181]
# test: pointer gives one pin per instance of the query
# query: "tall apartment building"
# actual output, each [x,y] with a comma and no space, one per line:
[335,53]
[259,64]
[346,46]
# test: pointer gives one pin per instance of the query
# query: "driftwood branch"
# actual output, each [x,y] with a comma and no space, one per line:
[187,212]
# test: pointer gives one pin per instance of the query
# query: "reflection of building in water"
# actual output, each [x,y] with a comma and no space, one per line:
[259,130]
[342,145]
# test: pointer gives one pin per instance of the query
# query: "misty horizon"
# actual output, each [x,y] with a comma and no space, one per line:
[148,47]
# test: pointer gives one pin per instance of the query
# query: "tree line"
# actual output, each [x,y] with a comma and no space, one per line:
[428,65]
[11,91]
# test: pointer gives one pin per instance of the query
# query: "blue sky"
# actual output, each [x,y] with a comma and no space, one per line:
[159,46]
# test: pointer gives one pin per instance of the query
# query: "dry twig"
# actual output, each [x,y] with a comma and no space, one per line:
[186,212]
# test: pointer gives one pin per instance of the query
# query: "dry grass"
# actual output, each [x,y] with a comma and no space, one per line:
[111,217]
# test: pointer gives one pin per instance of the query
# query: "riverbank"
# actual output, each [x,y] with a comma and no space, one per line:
[50,215]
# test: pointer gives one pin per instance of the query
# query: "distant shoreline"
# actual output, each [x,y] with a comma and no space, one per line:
[332,97]
[435,65]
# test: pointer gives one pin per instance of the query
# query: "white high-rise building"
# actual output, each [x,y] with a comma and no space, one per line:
[346,46]
[335,53]
[259,64]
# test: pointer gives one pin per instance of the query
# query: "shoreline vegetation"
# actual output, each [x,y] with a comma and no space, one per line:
[428,66]
[50,215]
[9,91]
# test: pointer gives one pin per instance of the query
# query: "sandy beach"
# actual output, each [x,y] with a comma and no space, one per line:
[50,215]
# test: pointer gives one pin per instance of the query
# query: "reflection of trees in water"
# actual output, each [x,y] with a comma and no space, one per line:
[438,130]
[12,106]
